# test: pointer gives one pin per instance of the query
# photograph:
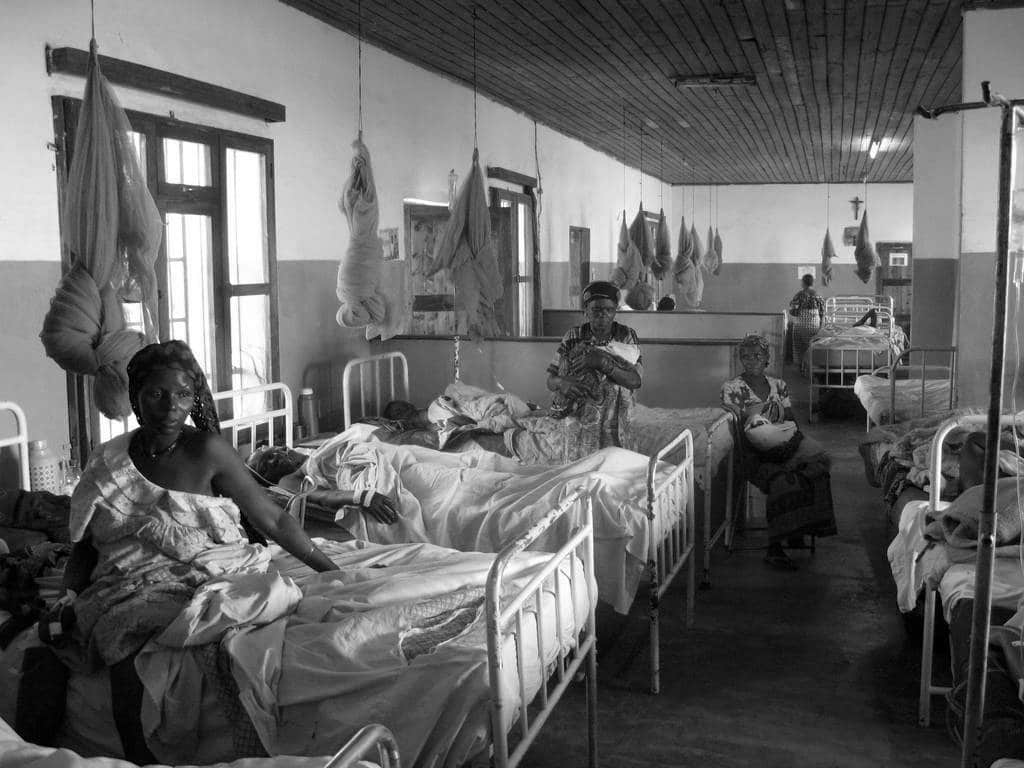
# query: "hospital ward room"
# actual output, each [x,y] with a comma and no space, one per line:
[497,383]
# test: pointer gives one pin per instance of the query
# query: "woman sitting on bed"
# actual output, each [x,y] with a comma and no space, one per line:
[792,470]
[158,512]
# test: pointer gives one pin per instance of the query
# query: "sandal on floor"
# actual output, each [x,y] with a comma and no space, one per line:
[781,561]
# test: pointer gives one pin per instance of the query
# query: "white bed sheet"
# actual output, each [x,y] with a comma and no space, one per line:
[480,502]
[336,656]
[862,347]
[874,391]
[916,562]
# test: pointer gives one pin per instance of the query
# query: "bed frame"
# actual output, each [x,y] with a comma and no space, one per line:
[19,439]
[927,688]
[365,381]
[843,312]
[727,527]
[912,370]
[269,422]
[506,616]
[375,740]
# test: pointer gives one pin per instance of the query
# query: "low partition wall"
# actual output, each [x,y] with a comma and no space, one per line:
[687,325]
[677,374]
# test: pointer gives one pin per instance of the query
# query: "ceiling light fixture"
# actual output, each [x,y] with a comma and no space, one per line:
[712,80]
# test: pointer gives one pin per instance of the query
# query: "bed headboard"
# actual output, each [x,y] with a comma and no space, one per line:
[969,421]
[250,415]
[370,383]
[846,310]
[19,439]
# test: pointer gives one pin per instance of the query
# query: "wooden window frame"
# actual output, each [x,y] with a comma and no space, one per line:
[211,201]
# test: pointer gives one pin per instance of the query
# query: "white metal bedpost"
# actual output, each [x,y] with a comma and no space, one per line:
[20,439]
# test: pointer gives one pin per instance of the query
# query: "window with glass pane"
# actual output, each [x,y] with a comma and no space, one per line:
[524,285]
[187,238]
[250,347]
[187,162]
[247,217]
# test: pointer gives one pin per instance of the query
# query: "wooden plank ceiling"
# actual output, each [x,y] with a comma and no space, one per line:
[828,75]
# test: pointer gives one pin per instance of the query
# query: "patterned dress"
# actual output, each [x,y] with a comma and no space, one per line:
[806,310]
[798,488]
[578,428]
[155,547]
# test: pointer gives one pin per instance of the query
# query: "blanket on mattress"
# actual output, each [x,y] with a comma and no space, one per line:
[480,502]
[653,428]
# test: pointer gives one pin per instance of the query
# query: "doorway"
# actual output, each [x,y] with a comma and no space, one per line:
[894,277]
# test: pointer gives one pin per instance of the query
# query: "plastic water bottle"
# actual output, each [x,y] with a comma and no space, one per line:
[72,474]
[307,412]
[44,467]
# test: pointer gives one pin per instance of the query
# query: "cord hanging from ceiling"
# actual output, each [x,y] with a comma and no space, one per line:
[474,78]
[92,17]
[641,166]
[661,179]
[623,161]
[359,61]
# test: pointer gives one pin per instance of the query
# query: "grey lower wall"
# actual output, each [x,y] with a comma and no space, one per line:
[676,375]
[738,287]
[974,335]
[933,315]
[27,376]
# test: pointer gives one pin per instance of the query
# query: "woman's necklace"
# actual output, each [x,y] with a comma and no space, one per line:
[165,451]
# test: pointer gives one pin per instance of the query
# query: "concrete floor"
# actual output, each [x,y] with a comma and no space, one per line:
[781,669]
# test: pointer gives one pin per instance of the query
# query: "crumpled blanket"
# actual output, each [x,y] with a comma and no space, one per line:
[662,248]
[466,251]
[481,501]
[492,411]
[864,251]
[358,288]
[689,283]
[828,254]
[316,656]
[630,263]
[113,230]
[957,524]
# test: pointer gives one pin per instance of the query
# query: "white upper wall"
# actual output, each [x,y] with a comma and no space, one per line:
[417,125]
[993,51]
[937,169]
[768,223]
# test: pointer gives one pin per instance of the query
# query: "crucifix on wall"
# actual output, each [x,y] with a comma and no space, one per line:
[856,202]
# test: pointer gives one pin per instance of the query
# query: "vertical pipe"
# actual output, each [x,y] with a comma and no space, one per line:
[975,707]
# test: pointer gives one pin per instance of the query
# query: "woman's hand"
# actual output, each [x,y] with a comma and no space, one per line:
[571,388]
[594,359]
[378,506]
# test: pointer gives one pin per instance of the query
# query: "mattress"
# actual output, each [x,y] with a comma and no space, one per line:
[357,647]
[859,349]
[654,428]
[912,400]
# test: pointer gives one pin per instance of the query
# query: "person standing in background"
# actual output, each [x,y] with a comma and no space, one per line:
[807,310]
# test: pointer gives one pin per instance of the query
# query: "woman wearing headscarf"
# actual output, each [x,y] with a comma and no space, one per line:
[808,311]
[159,512]
[791,469]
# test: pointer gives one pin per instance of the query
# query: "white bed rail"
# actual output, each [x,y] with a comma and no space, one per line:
[371,740]
[369,373]
[927,687]
[847,310]
[922,367]
[19,439]
[255,420]
[726,527]
[670,511]
[507,617]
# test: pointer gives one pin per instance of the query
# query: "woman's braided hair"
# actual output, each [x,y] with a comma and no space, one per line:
[758,342]
[174,354]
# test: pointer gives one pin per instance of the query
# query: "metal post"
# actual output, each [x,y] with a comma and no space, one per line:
[975,706]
